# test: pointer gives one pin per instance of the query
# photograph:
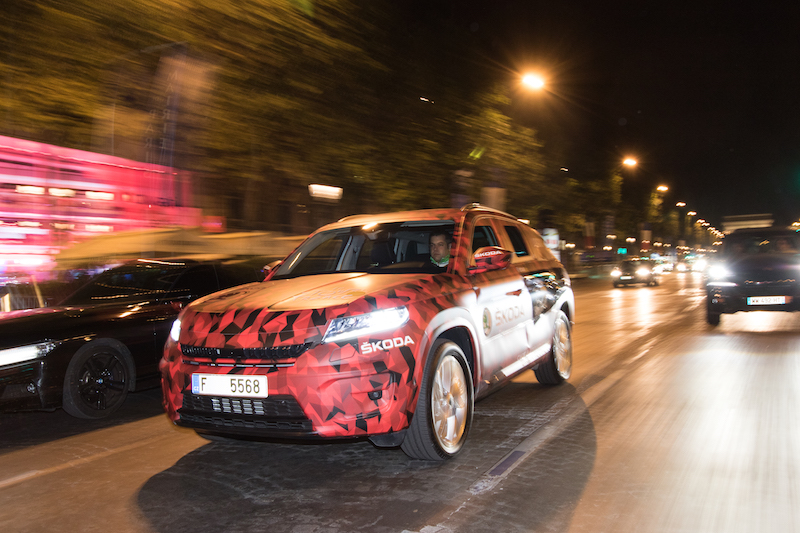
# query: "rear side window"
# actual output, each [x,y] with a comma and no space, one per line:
[538,248]
[483,236]
[520,249]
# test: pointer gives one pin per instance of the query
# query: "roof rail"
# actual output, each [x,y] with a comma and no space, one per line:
[476,205]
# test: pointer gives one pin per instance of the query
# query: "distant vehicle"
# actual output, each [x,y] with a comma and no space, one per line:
[633,271]
[358,333]
[757,270]
[105,339]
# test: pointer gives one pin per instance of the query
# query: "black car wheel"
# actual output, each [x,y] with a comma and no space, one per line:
[443,416]
[712,316]
[96,383]
[558,365]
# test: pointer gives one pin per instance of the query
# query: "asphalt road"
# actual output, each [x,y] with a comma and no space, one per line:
[667,425]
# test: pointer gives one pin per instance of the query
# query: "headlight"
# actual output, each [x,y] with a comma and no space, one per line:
[175,331]
[30,352]
[643,272]
[356,326]
[616,273]
[718,272]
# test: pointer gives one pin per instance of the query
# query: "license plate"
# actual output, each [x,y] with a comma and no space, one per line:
[626,277]
[766,300]
[229,385]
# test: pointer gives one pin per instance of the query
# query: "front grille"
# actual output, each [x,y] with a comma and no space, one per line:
[771,282]
[272,352]
[271,407]
[278,415]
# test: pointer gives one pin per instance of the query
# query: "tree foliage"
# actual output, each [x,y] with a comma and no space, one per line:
[259,98]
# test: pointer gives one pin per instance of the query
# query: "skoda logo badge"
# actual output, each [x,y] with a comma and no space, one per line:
[487,322]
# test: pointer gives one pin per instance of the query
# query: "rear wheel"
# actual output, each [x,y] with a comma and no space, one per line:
[443,416]
[96,383]
[558,365]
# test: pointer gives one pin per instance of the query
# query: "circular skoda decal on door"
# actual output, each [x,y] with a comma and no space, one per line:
[487,322]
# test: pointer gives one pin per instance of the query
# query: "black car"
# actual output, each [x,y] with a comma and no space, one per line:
[106,339]
[758,270]
[633,271]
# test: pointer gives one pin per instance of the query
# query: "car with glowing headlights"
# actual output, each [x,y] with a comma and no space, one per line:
[633,271]
[104,340]
[756,270]
[358,334]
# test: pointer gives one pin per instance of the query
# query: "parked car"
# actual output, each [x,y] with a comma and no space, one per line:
[104,340]
[358,333]
[633,271]
[757,270]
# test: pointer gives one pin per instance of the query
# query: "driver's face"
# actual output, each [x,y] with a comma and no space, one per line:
[438,247]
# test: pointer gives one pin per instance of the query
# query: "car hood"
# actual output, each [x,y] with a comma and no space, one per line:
[298,310]
[57,323]
[305,292]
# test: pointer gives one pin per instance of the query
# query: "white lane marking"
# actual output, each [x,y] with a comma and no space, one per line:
[544,434]
[76,462]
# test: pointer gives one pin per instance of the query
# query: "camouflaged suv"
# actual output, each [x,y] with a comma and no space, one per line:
[358,333]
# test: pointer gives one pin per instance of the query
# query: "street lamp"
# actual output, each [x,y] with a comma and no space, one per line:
[533,81]
[662,188]
[629,162]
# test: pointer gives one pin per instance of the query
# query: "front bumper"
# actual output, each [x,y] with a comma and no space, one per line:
[628,279]
[731,298]
[328,391]
[21,387]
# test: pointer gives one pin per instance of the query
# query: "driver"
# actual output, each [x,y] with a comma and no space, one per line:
[439,243]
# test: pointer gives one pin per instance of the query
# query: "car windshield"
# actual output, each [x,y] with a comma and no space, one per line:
[767,242]
[633,264]
[388,248]
[128,281]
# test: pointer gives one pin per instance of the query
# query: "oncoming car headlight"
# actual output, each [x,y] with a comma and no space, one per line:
[616,273]
[643,272]
[718,276]
[20,354]
[718,272]
[349,327]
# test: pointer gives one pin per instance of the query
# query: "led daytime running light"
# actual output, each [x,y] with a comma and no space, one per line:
[356,326]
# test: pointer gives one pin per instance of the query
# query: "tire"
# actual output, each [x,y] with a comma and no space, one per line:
[712,317]
[443,416]
[616,284]
[96,383]
[557,367]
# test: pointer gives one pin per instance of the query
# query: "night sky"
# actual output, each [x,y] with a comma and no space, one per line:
[703,94]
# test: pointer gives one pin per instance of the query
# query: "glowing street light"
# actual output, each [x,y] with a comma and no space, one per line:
[662,188]
[533,81]
[629,162]
[680,204]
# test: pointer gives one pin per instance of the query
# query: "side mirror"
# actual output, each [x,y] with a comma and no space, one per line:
[490,258]
[270,269]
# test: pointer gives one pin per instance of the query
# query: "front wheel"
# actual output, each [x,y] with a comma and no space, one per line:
[443,416]
[96,383]
[557,367]
[712,317]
